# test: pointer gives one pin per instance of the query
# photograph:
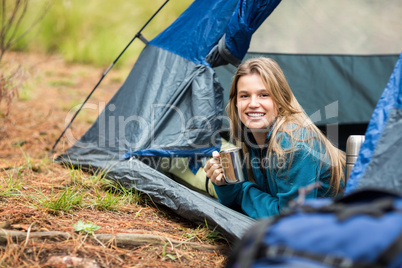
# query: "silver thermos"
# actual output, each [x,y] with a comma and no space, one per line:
[353,145]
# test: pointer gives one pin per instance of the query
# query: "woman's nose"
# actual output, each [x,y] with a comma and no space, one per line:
[254,101]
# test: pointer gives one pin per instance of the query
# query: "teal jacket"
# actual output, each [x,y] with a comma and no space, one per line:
[276,182]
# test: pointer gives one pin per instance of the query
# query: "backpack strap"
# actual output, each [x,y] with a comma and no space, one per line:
[247,249]
[282,252]
[278,252]
[376,208]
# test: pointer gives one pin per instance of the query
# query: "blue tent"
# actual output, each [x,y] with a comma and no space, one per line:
[378,163]
[172,103]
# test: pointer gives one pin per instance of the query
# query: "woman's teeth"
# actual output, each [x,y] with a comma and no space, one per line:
[255,114]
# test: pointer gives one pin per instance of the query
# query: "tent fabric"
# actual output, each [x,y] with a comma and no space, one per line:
[197,31]
[171,104]
[196,156]
[247,17]
[166,103]
[354,81]
[189,204]
[378,161]
[173,100]
[338,92]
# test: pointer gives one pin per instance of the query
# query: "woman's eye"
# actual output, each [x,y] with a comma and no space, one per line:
[265,95]
[243,96]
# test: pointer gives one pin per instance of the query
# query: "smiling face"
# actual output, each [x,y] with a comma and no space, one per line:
[255,106]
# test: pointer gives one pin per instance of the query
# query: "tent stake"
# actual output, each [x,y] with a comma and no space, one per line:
[138,35]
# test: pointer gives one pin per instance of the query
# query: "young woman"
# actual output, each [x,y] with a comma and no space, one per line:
[282,148]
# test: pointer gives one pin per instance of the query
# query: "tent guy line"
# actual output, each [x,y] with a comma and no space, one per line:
[137,35]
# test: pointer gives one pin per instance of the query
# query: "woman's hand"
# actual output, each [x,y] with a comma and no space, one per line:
[214,169]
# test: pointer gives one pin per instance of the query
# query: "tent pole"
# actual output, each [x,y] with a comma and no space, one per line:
[138,35]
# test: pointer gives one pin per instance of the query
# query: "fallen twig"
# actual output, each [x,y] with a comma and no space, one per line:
[134,240]
[18,236]
[119,240]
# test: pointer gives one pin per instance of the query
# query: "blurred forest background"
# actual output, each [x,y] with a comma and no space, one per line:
[93,32]
[97,31]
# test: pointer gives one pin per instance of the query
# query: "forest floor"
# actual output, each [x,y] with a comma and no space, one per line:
[55,216]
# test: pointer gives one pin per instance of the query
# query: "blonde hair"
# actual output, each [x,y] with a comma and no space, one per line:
[291,119]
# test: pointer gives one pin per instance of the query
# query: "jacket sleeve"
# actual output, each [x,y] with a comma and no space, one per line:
[247,197]
[256,203]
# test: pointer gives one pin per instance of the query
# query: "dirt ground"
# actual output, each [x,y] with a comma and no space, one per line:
[51,92]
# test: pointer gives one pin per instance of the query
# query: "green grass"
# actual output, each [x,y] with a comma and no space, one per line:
[114,195]
[109,194]
[64,201]
[108,200]
[12,183]
[61,83]
[96,31]
[213,235]
[25,93]
[203,232]
[130,195]
[71,106]
[84,190]
[85,180]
